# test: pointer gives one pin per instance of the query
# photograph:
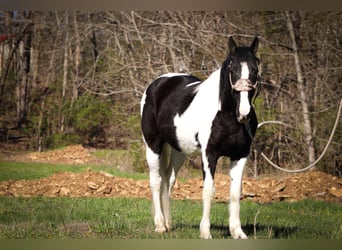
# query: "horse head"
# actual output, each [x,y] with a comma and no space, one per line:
[243,76]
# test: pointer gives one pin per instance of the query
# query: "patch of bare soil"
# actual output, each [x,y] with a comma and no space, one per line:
[85,184]
[75,154]
[309,185]
[312,185]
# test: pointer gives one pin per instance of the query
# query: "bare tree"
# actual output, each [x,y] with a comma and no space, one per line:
[108,58]
[301,87]
[65,68]
[24,69]
[45,90]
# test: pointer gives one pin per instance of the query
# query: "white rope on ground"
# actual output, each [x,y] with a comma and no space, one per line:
[312,164]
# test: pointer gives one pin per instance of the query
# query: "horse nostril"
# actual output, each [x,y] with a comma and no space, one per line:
[243,118]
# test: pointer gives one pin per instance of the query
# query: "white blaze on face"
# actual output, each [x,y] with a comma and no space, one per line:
[244,107]
[244,71]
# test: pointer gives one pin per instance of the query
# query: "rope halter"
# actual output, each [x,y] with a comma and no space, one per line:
[243,85]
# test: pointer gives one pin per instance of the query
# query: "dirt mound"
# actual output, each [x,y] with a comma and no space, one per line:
[313,185]
[75,154]
[308,185]
[89,183]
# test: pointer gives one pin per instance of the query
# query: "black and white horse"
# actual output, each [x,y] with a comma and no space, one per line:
[182,115]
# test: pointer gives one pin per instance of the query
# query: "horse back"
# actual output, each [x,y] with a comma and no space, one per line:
[164,98]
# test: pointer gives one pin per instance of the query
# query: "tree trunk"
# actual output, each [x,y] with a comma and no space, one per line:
[12,50]
[94,43]
[23,81]
[301,87]
[65,70]
[77,63]
[40,130]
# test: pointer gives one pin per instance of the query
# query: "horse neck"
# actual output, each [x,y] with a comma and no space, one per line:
[226,97]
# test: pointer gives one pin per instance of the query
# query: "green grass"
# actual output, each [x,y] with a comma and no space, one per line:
[30,171]
[108,218]
[118,218]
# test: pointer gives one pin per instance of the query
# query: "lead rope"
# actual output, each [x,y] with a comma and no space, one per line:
[296,170]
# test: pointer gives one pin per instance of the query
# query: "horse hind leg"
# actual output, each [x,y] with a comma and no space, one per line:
[163,170]
[154,163]
[174,161]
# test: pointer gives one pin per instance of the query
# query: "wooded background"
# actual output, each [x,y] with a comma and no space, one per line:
[77,77]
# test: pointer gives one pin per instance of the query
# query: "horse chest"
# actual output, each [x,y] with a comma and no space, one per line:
[228,138]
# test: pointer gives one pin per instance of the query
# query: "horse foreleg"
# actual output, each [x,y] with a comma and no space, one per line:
[208,195]
[236,173]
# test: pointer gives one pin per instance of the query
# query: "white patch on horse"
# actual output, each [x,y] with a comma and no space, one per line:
[153,161]
[244,70]
[173,74]
[142,103]
[198,117]
[193,83]
[245,106]
[207,197]
[236,173]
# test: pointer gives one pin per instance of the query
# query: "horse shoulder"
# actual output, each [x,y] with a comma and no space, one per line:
[193,126]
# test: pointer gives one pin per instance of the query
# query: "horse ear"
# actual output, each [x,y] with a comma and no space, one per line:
[231,45]
[255,45]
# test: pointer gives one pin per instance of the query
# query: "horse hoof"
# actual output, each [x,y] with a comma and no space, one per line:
[160,229]
[205,235]
[238,234]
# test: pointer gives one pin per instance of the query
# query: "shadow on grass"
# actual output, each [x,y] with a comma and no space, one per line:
[267,231]
[261,231]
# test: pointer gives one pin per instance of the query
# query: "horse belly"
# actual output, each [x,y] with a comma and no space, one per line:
[188,145]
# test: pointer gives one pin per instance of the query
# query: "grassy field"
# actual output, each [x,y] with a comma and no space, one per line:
[123,218]
[29,171]
[84,218]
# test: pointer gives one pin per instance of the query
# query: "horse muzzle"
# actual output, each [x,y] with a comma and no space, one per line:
[243,85]
[243,118]
[244,108]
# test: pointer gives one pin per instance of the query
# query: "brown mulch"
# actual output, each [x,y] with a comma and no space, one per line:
[308,185]
[74,154]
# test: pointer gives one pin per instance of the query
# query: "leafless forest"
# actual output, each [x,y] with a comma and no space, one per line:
[77,77]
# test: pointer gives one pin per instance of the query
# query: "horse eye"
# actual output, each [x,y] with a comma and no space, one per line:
[253,74]
[234,74]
